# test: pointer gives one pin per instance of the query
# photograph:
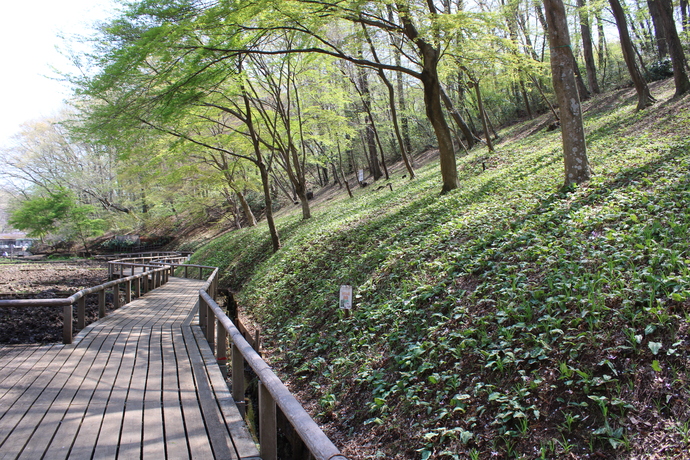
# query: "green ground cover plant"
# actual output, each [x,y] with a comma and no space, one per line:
[507,319]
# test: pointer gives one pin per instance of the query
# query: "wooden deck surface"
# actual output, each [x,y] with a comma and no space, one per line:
[140,383]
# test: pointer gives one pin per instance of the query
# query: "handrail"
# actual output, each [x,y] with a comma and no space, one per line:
[272,391]
[142,262]
[125,255]
[160,277]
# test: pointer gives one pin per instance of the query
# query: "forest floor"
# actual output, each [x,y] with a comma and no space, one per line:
[39,279]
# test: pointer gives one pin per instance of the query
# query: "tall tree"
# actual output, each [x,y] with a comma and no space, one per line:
[404,151]
[48,155]
[315,18]
[675,47]
[659,30]
[587,46]
[644,97]
[577,168]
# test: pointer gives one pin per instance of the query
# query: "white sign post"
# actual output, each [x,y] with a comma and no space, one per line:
[345,297]
[360,175]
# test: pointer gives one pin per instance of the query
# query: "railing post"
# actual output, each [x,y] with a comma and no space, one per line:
[133,267]
[222,349]
[67,324]
[110,270]
[268,432]
[101,303]
[116,296]
[186,271]
[202,314]
[201,273]
[81,312]
[210,327]
[257,342]
[137,287]
[238,379]
[128,291]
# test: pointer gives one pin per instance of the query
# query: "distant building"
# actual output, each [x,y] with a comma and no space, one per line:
[15,244]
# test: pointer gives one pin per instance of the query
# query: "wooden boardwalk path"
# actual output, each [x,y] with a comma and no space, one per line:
[140,383]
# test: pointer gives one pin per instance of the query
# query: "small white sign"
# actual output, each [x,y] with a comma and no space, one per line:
[346,297]
[360,175]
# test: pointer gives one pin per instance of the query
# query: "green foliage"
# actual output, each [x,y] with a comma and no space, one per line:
[508,315]
[80,224]
[57,213]
[40,215]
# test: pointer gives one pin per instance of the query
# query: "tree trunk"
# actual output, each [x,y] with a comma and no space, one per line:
[644,97]
[680,78]
[246,209]
[601,38]
[659,30]
[525,97]
[299,182]
[404,120]
[266,183]
[374,167]
[587,46]
[394,116]
[563,73]
[432,99]
[455,115]
[434,112]
[336,178]
[482,115]
[325,175]
[263,172]
[340,163]
[581,87]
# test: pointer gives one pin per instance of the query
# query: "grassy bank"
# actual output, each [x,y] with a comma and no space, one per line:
[508,318]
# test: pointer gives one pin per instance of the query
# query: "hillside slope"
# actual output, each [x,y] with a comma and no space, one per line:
[506,319]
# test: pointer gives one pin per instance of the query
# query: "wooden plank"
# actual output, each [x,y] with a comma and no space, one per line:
[121,390]
[132,426]
[215,425]
[197,438]
[22,403]
[241,438]
[85,442]
[154,442]
[62,394]
[175,435]
[22,363]
[15,355]
[95,359]
[109,436]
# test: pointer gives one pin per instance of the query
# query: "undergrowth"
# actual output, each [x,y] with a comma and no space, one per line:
[507,319]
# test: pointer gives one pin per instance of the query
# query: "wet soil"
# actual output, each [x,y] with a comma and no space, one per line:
[45,280]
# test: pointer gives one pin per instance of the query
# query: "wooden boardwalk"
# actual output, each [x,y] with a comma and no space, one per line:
[140,383]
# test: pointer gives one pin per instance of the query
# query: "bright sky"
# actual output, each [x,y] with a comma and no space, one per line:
[29,33]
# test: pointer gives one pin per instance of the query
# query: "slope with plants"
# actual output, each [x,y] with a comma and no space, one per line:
[509,318]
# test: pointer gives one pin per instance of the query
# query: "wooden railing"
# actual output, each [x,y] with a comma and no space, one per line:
[142,283]
[144,261]
[272,392]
